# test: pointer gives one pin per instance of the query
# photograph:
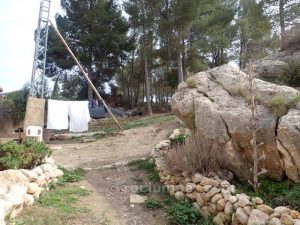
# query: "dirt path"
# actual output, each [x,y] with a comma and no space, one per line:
[133,144]
[112,186]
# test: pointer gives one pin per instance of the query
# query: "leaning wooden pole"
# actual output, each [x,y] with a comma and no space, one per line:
[85,74]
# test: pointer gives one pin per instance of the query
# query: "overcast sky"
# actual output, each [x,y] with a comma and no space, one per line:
[18,21]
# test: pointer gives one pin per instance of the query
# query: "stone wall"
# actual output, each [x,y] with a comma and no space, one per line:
[20,188]
[215,197]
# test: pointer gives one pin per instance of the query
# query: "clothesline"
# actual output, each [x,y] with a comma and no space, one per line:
[72,115]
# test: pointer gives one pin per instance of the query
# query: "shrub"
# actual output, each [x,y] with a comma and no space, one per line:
[179,140]
[293,101]
[191,83]
[14,105]
[292,41]
[238,90]
[257,99]
[183,213]
[291,75]
[22,156]
[281,104]
[70,176]
[197,155]
[275,193]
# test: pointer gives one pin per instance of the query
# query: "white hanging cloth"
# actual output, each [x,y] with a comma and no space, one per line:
[58,112]
[79,116]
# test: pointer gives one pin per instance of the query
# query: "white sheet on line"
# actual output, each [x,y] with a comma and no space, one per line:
[58,112]
[79,116]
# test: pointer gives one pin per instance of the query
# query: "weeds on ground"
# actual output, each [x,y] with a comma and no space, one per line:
[147,166]
[152,204]
[58,205]
[179,140]
[184,212]
[70,176]
[104,221]
[275,193]
[143,190]
[179,213]
[63,199]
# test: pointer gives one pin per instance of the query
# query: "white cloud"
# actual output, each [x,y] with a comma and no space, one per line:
[18,21]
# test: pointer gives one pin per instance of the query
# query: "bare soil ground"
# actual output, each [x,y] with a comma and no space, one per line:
[132,144]
[110,179]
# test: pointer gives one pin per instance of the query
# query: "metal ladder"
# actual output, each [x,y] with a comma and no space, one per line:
[40,52]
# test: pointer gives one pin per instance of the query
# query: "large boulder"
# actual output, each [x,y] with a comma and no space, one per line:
[217,107]
[272,68]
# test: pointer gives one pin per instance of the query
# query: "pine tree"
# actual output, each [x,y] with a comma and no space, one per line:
[176,21]
[97,33]
[254,29]
[285,13]
[143,17]
[215,32]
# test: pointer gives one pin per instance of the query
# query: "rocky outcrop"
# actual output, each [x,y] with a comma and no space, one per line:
[20,188]
[273,67]
[270,69]
[217,107]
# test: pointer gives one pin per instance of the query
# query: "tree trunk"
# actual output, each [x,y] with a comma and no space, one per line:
[132,80]
[123,82]
[147,83]
[183,61]
[282,20]
[179,66]
[132,74]
[90,90]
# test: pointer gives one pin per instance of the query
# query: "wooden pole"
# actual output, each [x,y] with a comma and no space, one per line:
[85,75]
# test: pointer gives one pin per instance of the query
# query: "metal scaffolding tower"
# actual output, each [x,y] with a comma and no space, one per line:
[40,53]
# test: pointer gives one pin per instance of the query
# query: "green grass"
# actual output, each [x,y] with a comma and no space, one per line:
[59,204]
[70,176]
[152,204]
[183,212]
[178,213]
[146,166]
[62,197]
[108,126]
[274,193]
[143,190]
[55,207]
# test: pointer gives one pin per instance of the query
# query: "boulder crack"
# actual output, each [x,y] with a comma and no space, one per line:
[286,150]
[226,126]
[219,83]
[206,95]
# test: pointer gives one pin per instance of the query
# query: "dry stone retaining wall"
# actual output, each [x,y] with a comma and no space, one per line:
[20,188]
[218,198]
